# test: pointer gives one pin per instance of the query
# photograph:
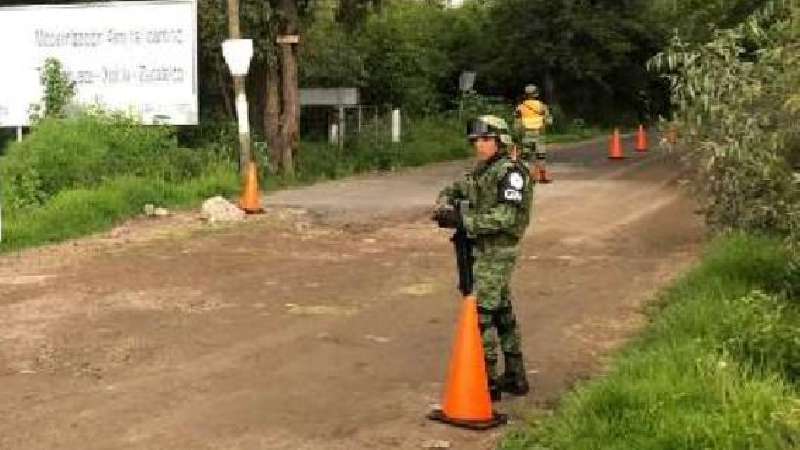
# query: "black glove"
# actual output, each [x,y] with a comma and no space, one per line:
[447,217]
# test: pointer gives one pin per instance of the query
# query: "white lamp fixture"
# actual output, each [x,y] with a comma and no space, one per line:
[237,54]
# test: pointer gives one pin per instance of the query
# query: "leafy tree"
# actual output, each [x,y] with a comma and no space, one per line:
[695,20]
[737,101]
[577,50]
[59,90]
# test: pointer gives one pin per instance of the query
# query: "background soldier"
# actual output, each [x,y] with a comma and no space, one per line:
[533,116]
[499,192]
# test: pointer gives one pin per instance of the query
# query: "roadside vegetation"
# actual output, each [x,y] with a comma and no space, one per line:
[718,367]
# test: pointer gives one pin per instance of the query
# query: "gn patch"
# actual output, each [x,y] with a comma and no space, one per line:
[512,187]
[512,195]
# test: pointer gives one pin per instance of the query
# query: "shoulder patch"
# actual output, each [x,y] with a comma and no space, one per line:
[512,186]
[516,181]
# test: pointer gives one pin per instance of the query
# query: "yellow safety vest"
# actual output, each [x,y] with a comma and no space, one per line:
[532,113]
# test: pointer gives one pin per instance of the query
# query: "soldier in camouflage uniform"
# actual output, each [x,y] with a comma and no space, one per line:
[532,116]
[500,193]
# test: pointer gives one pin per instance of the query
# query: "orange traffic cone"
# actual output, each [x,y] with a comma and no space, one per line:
[641,140]
[466,401]
[251,196]
[615,146]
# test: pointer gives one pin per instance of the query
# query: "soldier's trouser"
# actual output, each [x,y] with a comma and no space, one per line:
[533,149]
[493,269]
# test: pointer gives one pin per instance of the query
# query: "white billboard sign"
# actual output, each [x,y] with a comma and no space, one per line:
[136,57]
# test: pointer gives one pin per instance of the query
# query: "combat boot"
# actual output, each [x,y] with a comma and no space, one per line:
[514,380]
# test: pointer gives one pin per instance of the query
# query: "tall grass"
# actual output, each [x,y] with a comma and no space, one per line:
[716,369]
[77,212]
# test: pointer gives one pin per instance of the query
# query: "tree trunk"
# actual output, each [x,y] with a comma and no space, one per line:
[291,107]
[224,90]
[289,129]
[272,114]
[550,88]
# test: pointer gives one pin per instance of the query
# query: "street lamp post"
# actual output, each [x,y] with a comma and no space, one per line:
[237,54]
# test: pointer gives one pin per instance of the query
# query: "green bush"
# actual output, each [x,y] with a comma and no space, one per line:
[84,151]
[76,212]
[737,102]
[763,330]
[427,140]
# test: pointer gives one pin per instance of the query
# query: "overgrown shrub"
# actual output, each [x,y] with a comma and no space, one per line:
[738,103]
[84,151]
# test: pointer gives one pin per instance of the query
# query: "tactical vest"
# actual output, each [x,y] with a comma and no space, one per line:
[532,113]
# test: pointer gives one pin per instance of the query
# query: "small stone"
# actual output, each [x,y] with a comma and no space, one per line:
[378,339]
[161,212]
[435,443]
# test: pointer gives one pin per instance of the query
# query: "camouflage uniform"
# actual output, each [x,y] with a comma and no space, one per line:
[532,144]
[500,194]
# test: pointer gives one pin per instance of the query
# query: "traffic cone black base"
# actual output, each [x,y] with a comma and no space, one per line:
[478,425]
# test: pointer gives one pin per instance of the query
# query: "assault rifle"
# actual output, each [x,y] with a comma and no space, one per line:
[464,258]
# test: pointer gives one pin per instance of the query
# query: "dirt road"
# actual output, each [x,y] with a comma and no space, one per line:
[325,324]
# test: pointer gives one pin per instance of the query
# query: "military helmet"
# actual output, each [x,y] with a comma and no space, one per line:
[532,90]
[489,126]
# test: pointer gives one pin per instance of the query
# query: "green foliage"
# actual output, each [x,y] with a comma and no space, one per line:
[77,212]
[428,140]
[59,90]
[404,57]
[696,20]
[762,330]
[330,58]
[713,371]
[734,98]
[84,151]
[587,56]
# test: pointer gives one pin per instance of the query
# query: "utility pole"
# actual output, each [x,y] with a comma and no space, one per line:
[234,32]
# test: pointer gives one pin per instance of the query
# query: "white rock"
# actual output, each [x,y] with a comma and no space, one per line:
[161,212]
[436,444]
[217,209]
